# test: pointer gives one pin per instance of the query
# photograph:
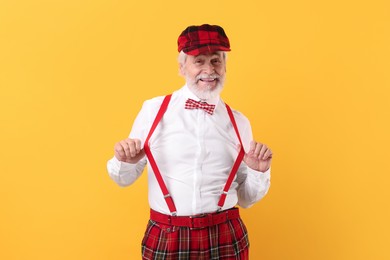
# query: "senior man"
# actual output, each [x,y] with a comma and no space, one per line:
[202,160]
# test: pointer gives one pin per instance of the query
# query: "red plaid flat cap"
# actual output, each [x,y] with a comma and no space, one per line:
[195,40]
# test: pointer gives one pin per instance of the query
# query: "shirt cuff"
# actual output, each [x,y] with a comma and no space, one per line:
[122,167]
[267,172]
[262,176]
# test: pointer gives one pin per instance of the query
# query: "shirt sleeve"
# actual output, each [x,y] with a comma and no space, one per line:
[253,185]
[125,174]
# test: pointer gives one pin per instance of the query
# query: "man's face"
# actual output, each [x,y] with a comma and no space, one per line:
[205,74]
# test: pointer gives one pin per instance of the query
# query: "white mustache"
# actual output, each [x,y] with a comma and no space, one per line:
[205,76]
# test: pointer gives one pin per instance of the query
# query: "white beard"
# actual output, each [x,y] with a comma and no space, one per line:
[205,93]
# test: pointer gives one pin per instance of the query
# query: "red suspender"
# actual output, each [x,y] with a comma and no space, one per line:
[236,164]
[157,173]
[152,162]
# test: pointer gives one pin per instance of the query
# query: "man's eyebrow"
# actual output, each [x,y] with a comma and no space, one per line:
[218,54]
[200,56]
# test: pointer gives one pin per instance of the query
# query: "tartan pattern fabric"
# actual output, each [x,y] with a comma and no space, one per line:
[195,40]
[192,104]
[226,241]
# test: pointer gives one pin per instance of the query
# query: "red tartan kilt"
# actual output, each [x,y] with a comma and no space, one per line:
[226,241]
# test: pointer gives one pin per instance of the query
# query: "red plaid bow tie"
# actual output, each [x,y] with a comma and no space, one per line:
[192,104]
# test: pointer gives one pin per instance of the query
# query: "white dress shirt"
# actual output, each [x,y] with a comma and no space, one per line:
[195,152]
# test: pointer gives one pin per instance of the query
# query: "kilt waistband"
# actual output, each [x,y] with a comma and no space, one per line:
[196,221]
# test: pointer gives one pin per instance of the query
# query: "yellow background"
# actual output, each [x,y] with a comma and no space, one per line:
[312,76]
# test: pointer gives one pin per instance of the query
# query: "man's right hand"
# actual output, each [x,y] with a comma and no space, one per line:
[129,150]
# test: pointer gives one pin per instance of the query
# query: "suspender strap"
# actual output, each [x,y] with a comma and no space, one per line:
[237,163]
[152,162]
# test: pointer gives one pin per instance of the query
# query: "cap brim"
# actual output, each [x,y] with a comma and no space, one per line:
[204,49]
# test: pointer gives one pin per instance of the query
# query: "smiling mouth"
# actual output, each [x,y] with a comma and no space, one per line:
[208,80]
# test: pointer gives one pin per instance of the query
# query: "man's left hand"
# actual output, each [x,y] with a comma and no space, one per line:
[258,157]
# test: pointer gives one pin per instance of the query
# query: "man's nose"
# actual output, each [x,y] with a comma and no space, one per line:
[209,68]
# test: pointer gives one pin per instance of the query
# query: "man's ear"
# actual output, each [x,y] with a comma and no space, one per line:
[181,70]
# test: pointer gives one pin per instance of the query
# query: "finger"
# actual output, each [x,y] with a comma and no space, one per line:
[137,145]
[132,147]
[252,147]
[119,151]
[125,146]
[267,154]
[257,149]
[238,147]
[262,151]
